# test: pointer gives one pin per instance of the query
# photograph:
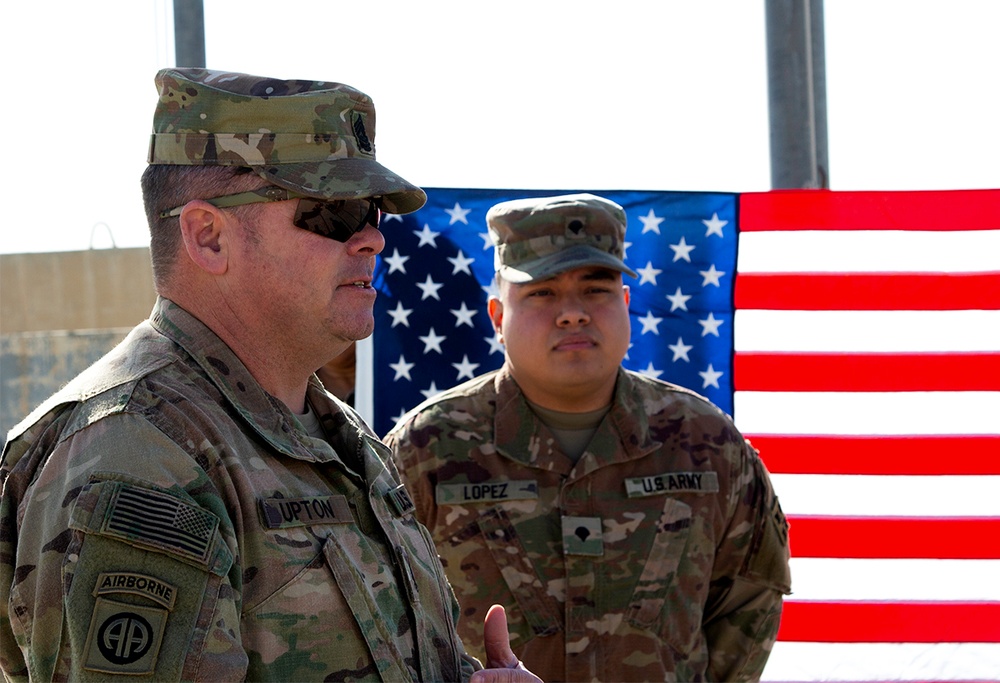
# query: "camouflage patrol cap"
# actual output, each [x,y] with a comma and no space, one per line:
[541,237]
[313,137]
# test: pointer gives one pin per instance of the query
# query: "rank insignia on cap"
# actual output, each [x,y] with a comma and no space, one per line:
[359,132]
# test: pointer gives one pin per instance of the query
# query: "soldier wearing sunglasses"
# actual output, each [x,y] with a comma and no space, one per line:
[196,506]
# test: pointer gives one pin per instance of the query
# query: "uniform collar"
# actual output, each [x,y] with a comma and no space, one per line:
[521,436]
[266,415]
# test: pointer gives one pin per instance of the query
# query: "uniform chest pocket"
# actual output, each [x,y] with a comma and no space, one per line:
[505,547]
[330,610]
[660,581]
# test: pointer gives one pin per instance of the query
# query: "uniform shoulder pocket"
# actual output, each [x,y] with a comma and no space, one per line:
[150,518]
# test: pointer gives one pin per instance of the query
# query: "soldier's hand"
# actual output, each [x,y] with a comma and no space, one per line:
[502,665]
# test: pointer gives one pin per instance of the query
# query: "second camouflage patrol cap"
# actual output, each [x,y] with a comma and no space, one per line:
[541,237]
[313,137]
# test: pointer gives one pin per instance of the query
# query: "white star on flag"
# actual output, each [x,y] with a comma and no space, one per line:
[396,261]
[710,325]
[463,315]
[427,236]
[680,350]
[678,300]
[650,371]
[651,222]
[430,391]
[714,225]
[711,276]
[466,368]
[400,315]
[648,274]
[650,323]
[402,368]
[458,214]
[461,263]
[430,288]
[711,377]
[432,342]
[495,345]
[682,250]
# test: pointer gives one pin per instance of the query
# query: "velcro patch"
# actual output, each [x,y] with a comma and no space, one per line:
[399,499]
[583,536]
[124,639]
[136,584]
[162,521]
[486,492]
[281,513]
[672,482]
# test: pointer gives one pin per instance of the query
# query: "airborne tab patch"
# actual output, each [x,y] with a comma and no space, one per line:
[281,513]
[486,492]
[672,482]
[136,584]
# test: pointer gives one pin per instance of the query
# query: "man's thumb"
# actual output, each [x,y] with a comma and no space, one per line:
[496,640]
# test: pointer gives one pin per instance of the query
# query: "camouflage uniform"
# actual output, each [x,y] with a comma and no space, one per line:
[164,515]
[662,554]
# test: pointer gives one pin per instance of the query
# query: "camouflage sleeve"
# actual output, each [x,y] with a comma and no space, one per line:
[403,467]
[750,578]
[121,564]
[405,458]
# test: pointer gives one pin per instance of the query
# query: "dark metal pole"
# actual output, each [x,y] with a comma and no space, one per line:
[796,85]
[189,32]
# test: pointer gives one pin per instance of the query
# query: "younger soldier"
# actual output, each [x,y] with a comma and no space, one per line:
[630,529]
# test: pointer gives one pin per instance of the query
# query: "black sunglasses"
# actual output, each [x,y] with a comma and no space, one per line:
[339,219]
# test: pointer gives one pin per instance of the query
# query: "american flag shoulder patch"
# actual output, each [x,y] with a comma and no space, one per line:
[164,522]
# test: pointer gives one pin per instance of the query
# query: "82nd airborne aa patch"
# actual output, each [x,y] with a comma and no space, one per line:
[125,638]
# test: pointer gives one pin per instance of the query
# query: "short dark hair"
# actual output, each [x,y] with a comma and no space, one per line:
[165,186]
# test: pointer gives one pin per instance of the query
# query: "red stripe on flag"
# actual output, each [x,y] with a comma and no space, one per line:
[890,622]
[866,372]
[868,291]
[905,455]
[825,210]
[953,538]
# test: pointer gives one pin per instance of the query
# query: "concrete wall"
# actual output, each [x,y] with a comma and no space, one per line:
[61,311]
[75,290]
[34,365]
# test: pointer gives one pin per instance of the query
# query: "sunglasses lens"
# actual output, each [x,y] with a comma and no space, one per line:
[339,220]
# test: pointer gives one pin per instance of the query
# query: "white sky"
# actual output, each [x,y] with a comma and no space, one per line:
[629,94]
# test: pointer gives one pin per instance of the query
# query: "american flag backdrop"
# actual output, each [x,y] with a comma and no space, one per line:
[854,337]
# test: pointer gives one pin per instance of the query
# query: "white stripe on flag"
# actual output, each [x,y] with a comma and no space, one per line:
[903,412]
[863,495]
[835,579]
[868,251]
[882,662]
[857,331]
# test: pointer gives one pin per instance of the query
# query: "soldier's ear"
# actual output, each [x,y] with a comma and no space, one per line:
[205,232]
[495,308]
[628,294]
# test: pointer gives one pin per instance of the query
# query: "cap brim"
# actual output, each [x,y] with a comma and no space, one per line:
[579,256]
[352,178]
